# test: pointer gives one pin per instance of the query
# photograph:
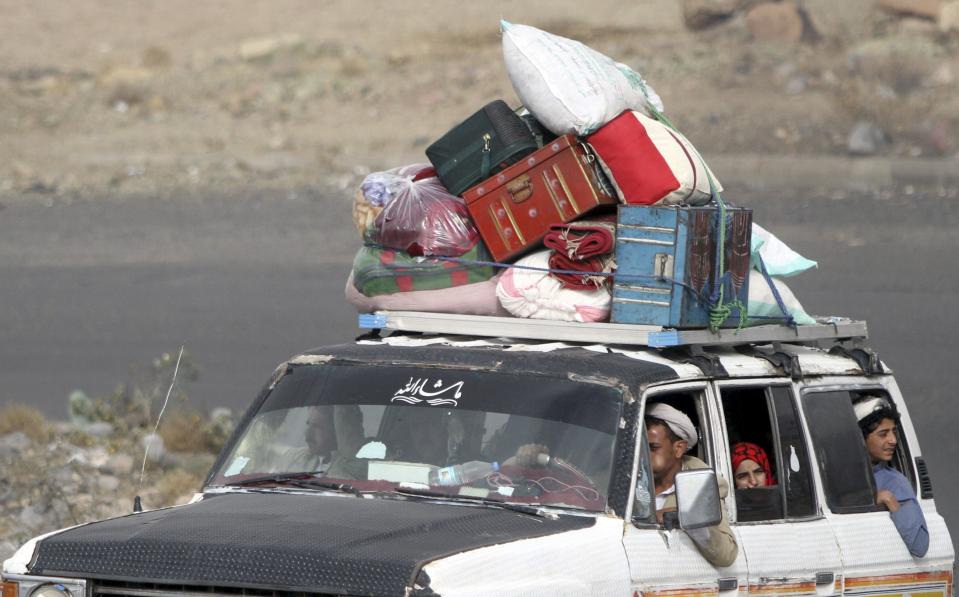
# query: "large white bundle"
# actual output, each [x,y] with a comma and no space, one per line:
[568,86]
[763,306]
[779,259]
[537,295]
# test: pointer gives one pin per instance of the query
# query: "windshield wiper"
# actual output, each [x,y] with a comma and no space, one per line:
[274,478]
[324,484]
[522,508]
[304,479]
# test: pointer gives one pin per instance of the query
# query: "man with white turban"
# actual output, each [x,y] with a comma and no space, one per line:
[670,435]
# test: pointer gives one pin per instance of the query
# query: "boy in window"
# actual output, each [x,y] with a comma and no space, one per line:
[670,435]
[878,419]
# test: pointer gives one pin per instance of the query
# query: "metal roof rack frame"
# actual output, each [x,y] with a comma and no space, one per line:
[835,329]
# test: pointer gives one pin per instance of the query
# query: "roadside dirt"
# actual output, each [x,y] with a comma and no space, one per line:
[125,97]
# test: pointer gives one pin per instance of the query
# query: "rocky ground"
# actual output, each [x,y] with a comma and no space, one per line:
[123,98]
[55,474]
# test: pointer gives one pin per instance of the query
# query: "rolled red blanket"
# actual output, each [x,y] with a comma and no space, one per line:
[587,280]
[582,239]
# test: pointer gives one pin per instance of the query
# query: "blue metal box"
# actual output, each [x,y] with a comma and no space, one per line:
[666,263]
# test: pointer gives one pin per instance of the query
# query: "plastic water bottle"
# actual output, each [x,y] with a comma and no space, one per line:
[462,474]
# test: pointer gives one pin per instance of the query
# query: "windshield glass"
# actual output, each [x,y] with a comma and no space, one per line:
[478,434]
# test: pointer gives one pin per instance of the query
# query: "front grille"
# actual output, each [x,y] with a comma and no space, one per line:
[111,588]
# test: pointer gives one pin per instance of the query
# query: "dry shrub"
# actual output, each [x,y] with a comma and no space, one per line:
[183,431]
[19,417]
[175,485]
[887,80]
[862,101]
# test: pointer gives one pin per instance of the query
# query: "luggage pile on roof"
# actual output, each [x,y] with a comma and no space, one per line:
[584,204]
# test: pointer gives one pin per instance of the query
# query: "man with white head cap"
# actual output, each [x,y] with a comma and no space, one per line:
[670,435]
[878,420]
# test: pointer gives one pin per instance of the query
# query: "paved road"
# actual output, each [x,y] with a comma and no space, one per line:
[91,287]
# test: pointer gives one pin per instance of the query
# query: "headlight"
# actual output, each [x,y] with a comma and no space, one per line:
[50,590]
[25,585]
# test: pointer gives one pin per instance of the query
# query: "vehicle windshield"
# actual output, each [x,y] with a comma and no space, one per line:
[478,434]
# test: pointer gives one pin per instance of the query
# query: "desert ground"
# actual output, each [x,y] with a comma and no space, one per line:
[126,97]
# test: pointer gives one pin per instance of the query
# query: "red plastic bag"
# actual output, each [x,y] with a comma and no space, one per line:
[423,218]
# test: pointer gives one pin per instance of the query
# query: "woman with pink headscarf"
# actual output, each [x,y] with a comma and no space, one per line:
[751,466]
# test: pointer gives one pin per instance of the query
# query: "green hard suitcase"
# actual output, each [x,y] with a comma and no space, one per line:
[482,145]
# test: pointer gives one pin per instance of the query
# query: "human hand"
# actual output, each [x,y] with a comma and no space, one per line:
[527,455]
[884,497]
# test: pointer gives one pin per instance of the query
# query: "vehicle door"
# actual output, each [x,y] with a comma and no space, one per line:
[876,560]
[789,545]
[668,562]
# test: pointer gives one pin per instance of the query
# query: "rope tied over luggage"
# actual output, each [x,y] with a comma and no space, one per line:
[719,308]
[790,320]
[549,270]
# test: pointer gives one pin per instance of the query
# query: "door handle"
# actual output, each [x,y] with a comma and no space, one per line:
[728,584]
[825,578]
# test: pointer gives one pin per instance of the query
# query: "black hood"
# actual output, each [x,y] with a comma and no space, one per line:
[315,543]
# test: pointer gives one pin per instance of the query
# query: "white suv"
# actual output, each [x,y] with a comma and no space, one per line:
[432,465]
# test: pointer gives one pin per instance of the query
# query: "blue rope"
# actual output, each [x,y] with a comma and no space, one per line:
[789,319]
[574,272]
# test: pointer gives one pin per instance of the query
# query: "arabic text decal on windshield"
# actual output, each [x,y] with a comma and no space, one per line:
[415,392]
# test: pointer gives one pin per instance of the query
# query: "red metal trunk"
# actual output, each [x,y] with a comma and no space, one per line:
[514,209]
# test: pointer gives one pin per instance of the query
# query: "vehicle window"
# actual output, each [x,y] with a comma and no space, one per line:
[771,474]
[796,476]
[644,509]
[840,453]
[902,459]
[483,434]
[691,404]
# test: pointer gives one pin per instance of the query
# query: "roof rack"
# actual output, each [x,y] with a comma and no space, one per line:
[834,328]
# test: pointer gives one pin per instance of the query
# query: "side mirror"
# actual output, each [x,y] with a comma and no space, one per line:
[697,499]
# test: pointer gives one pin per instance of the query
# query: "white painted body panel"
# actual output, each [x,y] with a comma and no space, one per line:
[784,557]
[814,361]
[740,365]
[665,561]
[683,370]
[584,562]
[19,562]
[871,545]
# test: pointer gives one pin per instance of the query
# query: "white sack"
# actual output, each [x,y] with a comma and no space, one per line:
[780,260]
[537,295]
[567,86]
[762,303]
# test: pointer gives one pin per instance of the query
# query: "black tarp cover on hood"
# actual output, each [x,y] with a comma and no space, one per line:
[315,543]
